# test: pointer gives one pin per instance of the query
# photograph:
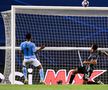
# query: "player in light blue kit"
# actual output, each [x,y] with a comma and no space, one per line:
[29,49]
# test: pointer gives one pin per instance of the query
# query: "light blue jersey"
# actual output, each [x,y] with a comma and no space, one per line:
[28,49]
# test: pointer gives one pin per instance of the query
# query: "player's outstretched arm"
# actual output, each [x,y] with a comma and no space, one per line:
[41,47]
[90,62]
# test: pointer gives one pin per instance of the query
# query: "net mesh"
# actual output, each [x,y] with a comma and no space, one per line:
[7,25]
[65,30]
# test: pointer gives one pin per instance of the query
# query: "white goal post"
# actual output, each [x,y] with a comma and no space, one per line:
[55,11]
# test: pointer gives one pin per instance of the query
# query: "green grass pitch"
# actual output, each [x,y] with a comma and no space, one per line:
[53,87]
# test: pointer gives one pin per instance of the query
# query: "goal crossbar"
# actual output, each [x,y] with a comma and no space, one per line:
[62,10]
[59,48]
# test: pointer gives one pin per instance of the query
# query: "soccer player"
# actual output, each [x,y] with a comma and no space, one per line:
[28,49]
[88,66]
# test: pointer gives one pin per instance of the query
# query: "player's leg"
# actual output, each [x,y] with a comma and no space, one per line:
[24,70]
[37,64]
[77,70]
[86,77]
[93,82]
[73,75]
[41,73]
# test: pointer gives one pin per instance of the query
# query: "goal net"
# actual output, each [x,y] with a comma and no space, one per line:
[65,31]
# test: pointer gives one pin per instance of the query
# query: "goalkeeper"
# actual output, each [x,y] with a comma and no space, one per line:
[28,49]
[88,66]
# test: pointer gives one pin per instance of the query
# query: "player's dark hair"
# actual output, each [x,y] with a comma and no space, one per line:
[94,47]
[28,36]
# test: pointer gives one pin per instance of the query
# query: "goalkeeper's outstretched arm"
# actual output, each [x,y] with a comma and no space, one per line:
[94,62]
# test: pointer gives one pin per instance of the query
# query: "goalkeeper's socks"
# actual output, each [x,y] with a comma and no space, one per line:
[41,72]
[71,79]
[25,72]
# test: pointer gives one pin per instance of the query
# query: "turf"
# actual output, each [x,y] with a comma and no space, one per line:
[53,87]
